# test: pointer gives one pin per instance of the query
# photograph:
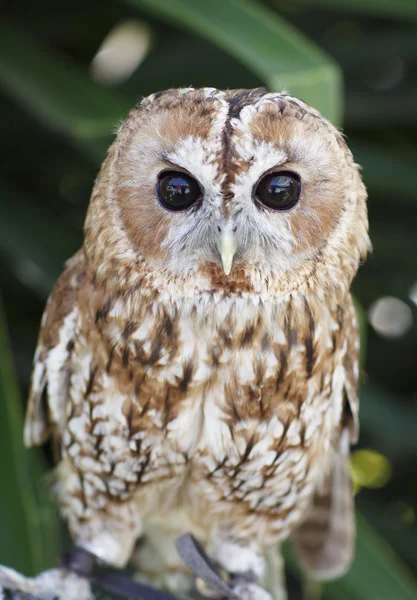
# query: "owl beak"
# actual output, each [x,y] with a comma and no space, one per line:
[227,245]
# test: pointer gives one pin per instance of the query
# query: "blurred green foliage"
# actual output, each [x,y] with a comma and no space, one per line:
[56,124]
[28,523]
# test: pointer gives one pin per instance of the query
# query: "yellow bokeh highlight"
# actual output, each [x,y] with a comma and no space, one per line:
[369,469]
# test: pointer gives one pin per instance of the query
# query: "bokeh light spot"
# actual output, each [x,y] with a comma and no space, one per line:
[390,317]
[121,52]
[369,469]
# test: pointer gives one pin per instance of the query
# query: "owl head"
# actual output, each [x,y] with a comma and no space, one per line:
[221,188]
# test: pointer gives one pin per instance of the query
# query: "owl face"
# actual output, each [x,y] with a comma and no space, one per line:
[229,183]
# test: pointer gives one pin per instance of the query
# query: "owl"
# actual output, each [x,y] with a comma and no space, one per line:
[197,363]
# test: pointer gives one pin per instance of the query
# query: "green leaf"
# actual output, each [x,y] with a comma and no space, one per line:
[387,519]
[28,525]
[377,572]
[274,50]
[57,93]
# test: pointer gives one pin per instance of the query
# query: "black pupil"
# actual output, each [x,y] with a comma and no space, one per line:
[178,191]
[279,191]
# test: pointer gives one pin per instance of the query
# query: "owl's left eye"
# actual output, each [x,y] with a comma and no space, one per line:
[177,191]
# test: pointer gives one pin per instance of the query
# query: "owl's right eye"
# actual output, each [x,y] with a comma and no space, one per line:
[177,191]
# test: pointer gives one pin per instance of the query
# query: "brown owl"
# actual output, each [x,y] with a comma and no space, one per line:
[197,363]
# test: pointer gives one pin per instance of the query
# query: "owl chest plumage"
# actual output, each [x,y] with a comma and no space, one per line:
[228,404]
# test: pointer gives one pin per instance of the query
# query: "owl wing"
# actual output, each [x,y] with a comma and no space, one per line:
[52,361]
[324,541]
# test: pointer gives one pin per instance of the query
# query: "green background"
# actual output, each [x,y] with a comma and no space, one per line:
[355,60]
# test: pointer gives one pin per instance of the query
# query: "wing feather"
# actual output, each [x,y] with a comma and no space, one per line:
[325,539]
[52,360]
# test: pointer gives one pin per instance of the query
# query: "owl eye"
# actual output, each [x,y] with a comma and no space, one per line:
[279,191]
[177,191]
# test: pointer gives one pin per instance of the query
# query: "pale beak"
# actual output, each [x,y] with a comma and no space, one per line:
[227,245]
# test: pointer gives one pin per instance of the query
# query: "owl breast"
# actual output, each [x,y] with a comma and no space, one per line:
[228,408]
